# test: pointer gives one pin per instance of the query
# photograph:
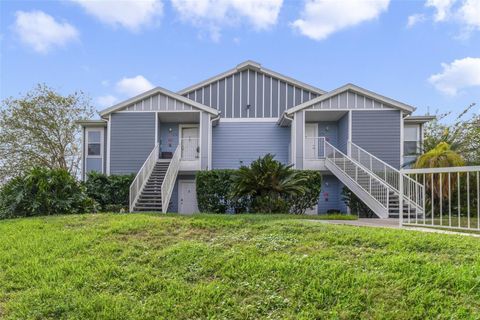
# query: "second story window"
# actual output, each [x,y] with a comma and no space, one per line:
[411,140]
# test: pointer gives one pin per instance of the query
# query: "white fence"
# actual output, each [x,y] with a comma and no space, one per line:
[451,197]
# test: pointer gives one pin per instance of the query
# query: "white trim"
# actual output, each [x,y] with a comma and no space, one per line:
[303,139]
[248,119]
[209,144]
[102,142]
[293,142]
[84,151]
[109,135]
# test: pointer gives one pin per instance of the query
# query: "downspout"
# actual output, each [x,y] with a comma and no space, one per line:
[210,140]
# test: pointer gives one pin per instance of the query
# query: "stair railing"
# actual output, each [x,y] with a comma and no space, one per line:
[369,182]
[412,190]
[170,177]
[142,176]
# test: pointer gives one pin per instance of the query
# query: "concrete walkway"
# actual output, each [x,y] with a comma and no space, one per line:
[392,224]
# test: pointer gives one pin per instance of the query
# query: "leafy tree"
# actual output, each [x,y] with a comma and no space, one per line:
[38,129]
[463,135]
[268,183]
[110,192]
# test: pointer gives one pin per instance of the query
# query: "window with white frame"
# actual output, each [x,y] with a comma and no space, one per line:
[94,150]
[94,143]
[411,140]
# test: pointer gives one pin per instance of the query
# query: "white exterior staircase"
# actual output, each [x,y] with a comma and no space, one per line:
[153,185]
[375,182]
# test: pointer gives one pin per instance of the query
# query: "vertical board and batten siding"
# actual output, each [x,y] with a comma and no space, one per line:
[267,96]
[378,132]
[343,133]
[132,139]
[349,100]
[159,102]
[331,195]
[237,143]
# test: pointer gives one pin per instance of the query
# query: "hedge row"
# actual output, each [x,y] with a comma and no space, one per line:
[214,193]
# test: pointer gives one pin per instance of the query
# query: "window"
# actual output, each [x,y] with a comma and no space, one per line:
[411,140]
[94,143]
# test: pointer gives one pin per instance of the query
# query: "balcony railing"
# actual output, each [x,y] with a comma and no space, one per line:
[314,148]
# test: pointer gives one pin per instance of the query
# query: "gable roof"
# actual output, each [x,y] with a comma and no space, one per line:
[252,65]
[355,89]
[153,92]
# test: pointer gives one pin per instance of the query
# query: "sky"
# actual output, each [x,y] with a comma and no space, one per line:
[425,53]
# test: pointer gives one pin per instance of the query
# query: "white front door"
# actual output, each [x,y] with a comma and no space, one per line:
[189,143]
[187,197]
[311,141]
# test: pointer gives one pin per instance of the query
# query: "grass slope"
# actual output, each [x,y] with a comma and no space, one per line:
[231,267]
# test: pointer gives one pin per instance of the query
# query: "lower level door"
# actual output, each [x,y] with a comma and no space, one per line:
[187,197]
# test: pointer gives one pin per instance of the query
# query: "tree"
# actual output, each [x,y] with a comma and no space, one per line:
[39,129]
[440,156]
[268,183]
[463,135]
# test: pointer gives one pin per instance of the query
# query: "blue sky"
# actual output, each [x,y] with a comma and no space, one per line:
[424,53]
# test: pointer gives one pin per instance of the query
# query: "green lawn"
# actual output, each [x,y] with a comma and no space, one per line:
[142,266]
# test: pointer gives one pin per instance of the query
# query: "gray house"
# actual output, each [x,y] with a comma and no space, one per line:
[355,137]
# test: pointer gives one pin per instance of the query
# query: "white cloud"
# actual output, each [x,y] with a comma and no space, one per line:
[321,18]
[469,13]
[214,14]
[415,19]
[133,86]
[41,31]
[442,8]
[459,74]
[106,101]
[130,14]
[464,12]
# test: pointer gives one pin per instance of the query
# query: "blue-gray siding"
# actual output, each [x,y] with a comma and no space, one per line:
[331,195]
[132,139]
[343,133]
[266,96]
[378,132]
[237,143]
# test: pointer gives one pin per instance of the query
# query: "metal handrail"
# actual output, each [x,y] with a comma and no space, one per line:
[170,177]
[412,190]
[370,183]
[142,176]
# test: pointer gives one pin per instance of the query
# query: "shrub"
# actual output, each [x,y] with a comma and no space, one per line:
[269,184]
[43,191]
[313,183]
[214,192]
[110,192]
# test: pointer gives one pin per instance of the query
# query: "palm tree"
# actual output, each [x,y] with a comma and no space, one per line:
[440,156]
[268,182]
